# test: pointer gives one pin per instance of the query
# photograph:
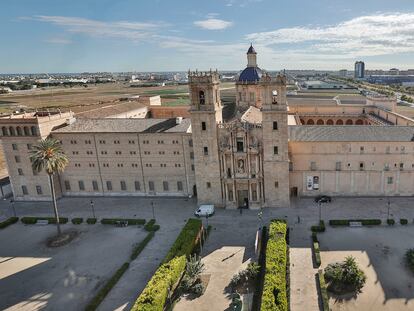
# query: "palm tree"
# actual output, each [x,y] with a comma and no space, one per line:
[48,155]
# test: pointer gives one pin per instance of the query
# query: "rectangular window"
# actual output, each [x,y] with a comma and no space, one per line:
[24,190]
[14,146]
[389,180]
[179,185]
[29,146]
[208,184]
[191,155]
[190,142]
[276,184]
[401,166]
[123,185]
[274,125]
[137,186]
[165,185]
[95,185]
[67,185]
[361,166]
[362,149]
[151,186]
[240,145]
[230,195]
[109,185]
[251,95]
[205,150]
[338,166]
[39,190]
[275,150]
[192,167]
[386,167]
[20,171]
[254,195]
[313,166]
[81,185]
[203,126]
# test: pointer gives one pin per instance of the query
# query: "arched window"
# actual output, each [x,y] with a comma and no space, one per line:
[12,131]
[339,122]
[19,131]
[33,130]
[320,122]
[349,122]
[26,131]
[302,121]
[359,122]
[310,122]
[201,97]
[274,97]
[4,131]
[329,122]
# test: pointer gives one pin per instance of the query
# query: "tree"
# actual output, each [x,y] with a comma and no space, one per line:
[48,155]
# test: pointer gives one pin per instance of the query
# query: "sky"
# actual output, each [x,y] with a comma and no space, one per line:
[47,36]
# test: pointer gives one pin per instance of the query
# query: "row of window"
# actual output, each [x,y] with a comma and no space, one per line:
[123,186]
[14,147]
[117,142]
[88,152]
[25,191]
[361,166]
[132,164]
[19,131]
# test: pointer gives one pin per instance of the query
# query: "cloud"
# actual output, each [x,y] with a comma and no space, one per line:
[212,23]
[58,41]
[371,35]
[240,3]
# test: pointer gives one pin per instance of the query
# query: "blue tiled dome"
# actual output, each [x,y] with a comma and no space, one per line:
[250,74]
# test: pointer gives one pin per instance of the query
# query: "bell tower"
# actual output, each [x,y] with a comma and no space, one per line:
[275,141]
[206,115]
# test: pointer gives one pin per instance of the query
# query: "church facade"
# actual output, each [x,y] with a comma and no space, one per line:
[271,148]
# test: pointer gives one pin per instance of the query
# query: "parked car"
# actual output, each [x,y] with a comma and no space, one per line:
[323,199]
[204,210]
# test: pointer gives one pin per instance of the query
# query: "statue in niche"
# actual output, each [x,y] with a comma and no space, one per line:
[240,166]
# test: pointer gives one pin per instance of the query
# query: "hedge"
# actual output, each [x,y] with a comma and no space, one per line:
[77,221]
[113,221]
[100,296]
[91,221]
[323,291]
[345,222]
[257,296]
[154,295]
[319,228]
[186,240]
[138,248]
[151,226]
[8,222]
[317,254]
[51,220]
[390,222]
[403,221]
[276,264]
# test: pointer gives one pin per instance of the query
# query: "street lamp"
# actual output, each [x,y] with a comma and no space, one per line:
[153,211]
[12,205]
[388,211]
[93,209]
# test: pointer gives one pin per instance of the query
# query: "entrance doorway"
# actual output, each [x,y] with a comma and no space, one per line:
[294,191]
[195,190]
[243,198]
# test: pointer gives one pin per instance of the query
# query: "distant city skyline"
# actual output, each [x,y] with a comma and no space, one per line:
[118,36]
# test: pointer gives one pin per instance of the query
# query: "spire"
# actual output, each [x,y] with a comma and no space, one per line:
[251,57]
[251,49]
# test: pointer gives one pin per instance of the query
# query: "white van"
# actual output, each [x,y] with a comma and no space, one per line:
[204,210]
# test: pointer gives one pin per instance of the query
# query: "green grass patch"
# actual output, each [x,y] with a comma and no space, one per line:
[51,220]
[8,222]
[138,248]
[151,226]
[93,305]
[274,295]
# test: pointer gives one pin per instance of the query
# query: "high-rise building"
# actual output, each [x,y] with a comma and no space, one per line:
[359,70]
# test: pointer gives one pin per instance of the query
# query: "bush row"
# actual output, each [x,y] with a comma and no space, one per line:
[274,295]
[154,295]
[390,222]
[403,221]
[151,226]
[91,221]
[77,221]
[257,296]
[113,221]
[319,228]
[345,222]
[51,220]
[8,222]
[138,248]
[317,254]
[323,291]
[93,305]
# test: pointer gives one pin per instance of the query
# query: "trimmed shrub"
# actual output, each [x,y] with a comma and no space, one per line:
[345,222]
[319,228]
[51,220]
[77,221]
[151,226]
[323,291]
[390,222]
[274,295]
[315,237]
[93,305]
[8,222]
[409,258]
[114,221]
[257,296]
[403,221]
[138,248]
[91,221]
[154,295]
[317,253]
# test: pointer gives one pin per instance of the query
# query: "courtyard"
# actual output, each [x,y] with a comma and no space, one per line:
[379,252]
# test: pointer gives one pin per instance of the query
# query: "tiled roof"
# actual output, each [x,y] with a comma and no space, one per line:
[127,126]
[351,133]
[250,74]
[252,115]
